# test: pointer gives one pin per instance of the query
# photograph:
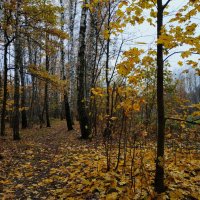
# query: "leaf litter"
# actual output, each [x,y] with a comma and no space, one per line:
[51,163]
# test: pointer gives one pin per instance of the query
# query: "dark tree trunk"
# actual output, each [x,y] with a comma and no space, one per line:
[1,87]
[107,131]
[18,63]
[159,176]
[31,62]
[46,105]
[23,99]
[81,104]
[46,95]
[68,113]
[7,40]
[5,91]
[1,90]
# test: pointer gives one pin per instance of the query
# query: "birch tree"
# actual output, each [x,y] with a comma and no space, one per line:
[63,73]
[81,64]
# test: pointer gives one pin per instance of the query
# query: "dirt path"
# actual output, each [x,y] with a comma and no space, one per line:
[28,165]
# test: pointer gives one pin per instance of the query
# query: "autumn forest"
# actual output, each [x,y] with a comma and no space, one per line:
[99,99]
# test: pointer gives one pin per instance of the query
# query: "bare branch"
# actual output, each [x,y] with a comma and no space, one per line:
[182,120]
[154,3]
[177,53]
[164,6]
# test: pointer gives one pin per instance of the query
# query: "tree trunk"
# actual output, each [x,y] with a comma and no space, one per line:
[5,90]
[107,131]
[46,96]
[68,113]
[71,59]
[159,176]
[66,101]
[1,90]
[31,62]
[81,104]
[23,99]
[18,63]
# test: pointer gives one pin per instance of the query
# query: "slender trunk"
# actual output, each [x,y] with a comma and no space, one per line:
[119,142]
[39,92]
[90,57]
[107,131]
[46,102]
[18,63]
[71,58]
[5,90]
[30,57]
[68,113]
[66,101]
[159,176]
[23,99]
[81,104]
[1,93]
[46,95]
[1,87]
[10,113]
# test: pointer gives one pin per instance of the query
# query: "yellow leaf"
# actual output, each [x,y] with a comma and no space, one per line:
[136,107]
[180,63]
[185,54]
[122,183]
[47,181]
[112,196]
[176,195]
[85,182]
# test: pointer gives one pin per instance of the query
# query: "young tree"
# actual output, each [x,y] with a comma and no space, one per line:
[159,177]
[107,131]
[168,38]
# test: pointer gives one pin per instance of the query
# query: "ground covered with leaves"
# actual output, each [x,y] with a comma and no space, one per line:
[51,163]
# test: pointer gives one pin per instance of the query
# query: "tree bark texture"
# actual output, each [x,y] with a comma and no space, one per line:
[81,104]
[159,176]
[18,63]
[68,116]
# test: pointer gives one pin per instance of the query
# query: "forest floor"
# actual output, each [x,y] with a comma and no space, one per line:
[51,163]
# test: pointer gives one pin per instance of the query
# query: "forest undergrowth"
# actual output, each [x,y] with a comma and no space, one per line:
[51,163]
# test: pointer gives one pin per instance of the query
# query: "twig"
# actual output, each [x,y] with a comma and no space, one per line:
[182,120]
[177,53]
[166,4]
